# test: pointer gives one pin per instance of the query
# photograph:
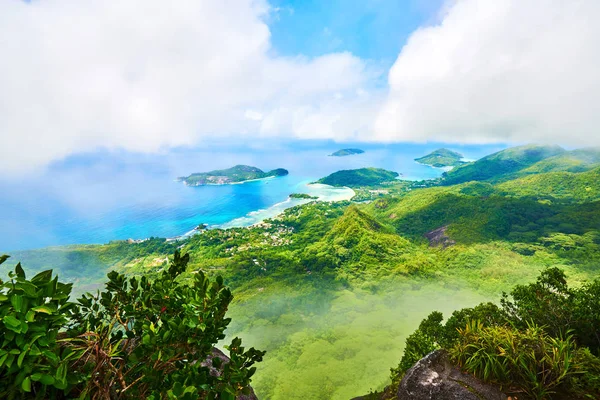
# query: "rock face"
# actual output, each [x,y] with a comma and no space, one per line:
[216,353]
[435,377]
[438,237]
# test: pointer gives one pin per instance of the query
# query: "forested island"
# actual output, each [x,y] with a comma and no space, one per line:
[237,174]
[359,177]
[339,293]
[441,158]
[303,196]
[346,152]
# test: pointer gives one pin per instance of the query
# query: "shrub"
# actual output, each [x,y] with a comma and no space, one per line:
[528,361]
[137,339]
[32,313]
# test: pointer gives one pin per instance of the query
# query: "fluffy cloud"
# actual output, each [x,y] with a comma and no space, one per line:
[501,70]
[148,74]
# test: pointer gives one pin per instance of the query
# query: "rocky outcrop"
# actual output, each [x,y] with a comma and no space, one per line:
[216,353]
[435,377]
[438,237]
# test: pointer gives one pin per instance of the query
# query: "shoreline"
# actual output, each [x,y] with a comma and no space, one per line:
[324,192]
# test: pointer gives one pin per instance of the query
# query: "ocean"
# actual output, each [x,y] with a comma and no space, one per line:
[112,195]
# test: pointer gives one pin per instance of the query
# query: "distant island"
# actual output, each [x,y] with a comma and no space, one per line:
[237,174]
[359,177]
[346,152]
[303,196]
[442,158]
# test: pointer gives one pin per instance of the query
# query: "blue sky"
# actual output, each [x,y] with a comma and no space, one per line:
[370,29]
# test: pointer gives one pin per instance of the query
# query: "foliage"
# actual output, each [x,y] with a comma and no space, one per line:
[541,341]
[32,313]
[529,360]
[137,339]
[359,177]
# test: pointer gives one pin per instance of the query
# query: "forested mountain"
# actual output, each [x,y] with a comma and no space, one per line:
[501,165]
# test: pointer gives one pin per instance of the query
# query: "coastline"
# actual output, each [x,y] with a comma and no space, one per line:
[445,169]
[324,192]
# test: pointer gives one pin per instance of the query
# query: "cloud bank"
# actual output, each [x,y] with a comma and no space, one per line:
[145,75]
[499,71]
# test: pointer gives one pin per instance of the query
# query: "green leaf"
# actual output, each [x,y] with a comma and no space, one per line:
[12,323]
[26,385]
[17,302]
[4,258]
[21,357]
[42,277]
[19,271]
[3,297]
[30,316]
[45,308]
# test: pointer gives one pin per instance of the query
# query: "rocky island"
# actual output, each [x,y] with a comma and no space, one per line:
[346,152]
[441,158]
[237,174]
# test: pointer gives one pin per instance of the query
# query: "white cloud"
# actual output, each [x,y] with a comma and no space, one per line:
[144,75]
[147,74]
[501,70]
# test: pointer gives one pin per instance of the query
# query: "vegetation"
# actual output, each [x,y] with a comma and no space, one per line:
[441,158]
[137,339]
[502,164]
[359,177]
[347,152]
[543,341]
[333,291]
[239,173]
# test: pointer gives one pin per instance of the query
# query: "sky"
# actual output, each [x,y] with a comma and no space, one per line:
[149,76]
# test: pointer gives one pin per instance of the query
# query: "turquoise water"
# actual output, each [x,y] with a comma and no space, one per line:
[95,198]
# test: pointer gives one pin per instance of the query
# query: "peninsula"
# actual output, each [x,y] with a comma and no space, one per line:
[237,174]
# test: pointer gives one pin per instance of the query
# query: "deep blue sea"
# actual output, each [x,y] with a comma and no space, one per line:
[107,195]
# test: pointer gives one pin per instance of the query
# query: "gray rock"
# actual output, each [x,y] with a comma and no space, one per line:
[435,377]
[216,353]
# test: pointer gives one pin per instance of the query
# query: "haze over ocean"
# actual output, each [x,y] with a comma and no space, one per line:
[104,196]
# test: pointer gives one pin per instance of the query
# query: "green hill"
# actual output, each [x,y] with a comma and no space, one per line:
[359,177]
[582,186]
[441,158]
[502,164]
[579,160]
[239,173]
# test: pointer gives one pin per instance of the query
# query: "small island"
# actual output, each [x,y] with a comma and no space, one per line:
[441,158]
[359,177]
[346,152]
[303,196]
[237,174]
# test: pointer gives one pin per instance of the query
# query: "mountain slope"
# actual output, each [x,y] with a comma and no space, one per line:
[500,165]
